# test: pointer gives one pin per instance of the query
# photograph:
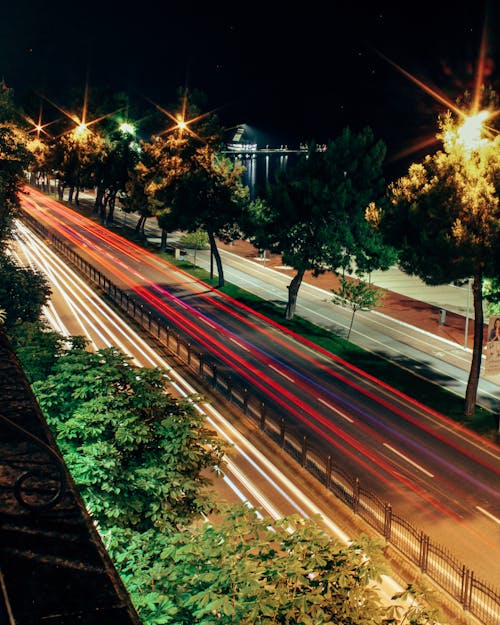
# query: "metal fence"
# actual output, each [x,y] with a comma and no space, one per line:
[475,596]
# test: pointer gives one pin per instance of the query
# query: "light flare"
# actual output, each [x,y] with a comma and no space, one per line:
[469,134]
[181,124]
[473,118]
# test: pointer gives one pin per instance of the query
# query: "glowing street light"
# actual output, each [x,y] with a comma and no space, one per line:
[38,127]
[180,122]
[81,130]
[470,132]
[181,125]
[126,128]
[469,135]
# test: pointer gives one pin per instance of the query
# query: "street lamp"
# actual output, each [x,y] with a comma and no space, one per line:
[80,130]
[470,132]
[126,128]
[468,137]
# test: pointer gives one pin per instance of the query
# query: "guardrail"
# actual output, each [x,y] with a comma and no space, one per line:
[474,595]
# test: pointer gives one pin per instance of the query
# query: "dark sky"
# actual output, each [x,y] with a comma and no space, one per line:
[294,73]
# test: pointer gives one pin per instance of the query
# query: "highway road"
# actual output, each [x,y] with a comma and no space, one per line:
[269,485]
[442,478]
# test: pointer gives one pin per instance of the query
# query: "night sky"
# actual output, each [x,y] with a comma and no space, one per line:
[291,73]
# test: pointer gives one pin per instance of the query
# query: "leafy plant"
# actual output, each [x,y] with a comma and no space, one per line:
[356,295]
[140,456]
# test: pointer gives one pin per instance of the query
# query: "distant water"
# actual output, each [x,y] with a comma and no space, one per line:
[261,169]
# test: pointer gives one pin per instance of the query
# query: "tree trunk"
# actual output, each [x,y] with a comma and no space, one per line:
[103,208]
[140,224]
[477,350]
[111,209]
[350,325]
[98,200]
[163,244]
[293,291]
[218,261]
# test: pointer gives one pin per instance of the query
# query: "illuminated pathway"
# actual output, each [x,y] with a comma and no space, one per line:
[439,476]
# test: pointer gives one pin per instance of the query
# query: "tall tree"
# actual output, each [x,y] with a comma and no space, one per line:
[113,170]
[189,184]
[314,214]
[80,151]
[140,456]
[206,193]
[444,217]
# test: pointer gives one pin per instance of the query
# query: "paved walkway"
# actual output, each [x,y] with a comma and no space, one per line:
[406,298]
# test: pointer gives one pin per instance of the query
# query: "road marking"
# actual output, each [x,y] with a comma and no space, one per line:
[417,466]
[281,373]
[239,344]
[336,410]
[208,323]
[488,514]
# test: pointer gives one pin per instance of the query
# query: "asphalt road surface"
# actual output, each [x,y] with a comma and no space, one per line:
[440,477]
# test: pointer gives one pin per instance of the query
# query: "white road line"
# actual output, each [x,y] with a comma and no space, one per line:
[208,323]
[240,345]
[281,373]
[417,466]
[336,410]
[488,514]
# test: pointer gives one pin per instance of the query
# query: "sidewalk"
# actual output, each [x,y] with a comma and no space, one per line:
[399,296]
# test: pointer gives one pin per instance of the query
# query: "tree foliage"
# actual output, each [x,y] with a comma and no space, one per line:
[444,218]
[314,214]
[356,295]
[23,292]
[15,158]
[37,346]
[141,457]
[188,183]
[113,171]
[244,569]
[491,292]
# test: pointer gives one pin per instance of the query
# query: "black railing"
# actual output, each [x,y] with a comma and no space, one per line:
[37,488]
